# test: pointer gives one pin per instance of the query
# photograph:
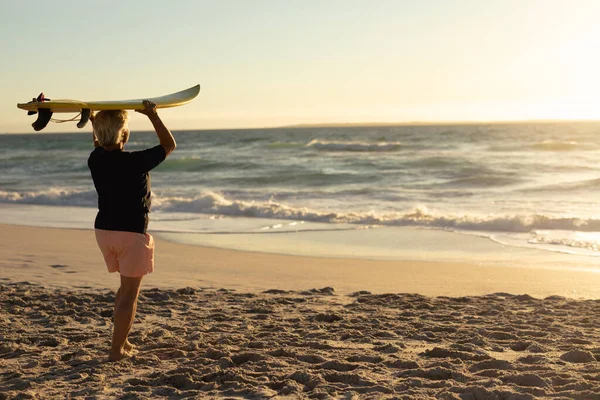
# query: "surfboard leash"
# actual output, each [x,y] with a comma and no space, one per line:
[60,121]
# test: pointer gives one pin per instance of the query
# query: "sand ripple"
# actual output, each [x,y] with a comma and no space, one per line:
[198,343]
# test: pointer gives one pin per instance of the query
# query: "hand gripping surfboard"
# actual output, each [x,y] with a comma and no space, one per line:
[45,107]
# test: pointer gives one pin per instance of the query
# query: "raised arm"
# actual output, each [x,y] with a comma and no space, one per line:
[167,141]
[96,142]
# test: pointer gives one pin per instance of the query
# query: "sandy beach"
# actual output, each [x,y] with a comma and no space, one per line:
[348,200]
[218,323]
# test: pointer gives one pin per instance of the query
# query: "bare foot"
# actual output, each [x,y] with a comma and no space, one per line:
[117,356]
[128,346]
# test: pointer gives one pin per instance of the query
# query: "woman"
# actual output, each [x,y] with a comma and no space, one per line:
[122,181]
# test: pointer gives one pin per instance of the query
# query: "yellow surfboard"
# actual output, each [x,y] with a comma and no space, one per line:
[46,107]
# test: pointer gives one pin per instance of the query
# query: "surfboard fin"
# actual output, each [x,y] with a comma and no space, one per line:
[44,115]
[85,117]
[42,120]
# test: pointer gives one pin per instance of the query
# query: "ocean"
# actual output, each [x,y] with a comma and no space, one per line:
[525,185]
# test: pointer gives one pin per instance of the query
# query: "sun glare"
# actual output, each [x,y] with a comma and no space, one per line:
[577,108]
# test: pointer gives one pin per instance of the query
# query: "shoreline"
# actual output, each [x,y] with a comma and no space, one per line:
[69,258]
[324,240]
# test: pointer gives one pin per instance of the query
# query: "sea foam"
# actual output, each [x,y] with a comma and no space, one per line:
[217,204]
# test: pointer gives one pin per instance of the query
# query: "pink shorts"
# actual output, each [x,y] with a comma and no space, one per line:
[130,253]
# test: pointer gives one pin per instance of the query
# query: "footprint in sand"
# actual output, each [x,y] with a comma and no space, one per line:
[62,267]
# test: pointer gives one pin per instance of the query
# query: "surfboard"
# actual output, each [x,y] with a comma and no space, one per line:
[46,107]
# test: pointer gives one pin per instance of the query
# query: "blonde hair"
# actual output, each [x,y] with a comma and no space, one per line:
[111,127]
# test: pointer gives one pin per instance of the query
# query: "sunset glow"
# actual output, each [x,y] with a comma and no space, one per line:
[269,63]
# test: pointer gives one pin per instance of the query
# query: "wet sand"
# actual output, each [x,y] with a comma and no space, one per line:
[69,258]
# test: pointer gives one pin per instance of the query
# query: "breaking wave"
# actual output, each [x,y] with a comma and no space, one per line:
[52,197]
[565,238]
[216,204]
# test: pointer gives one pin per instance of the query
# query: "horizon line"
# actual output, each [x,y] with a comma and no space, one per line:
[364,124]
[441,122]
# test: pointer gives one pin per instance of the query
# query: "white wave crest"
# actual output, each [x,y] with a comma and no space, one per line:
[579,240]
[52,196]
[213,203]
[216,204]
[353,146]
[505,223]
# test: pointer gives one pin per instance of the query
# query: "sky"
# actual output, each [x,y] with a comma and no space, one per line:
[264,63]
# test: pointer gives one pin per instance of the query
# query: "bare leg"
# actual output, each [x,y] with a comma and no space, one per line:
[128,346]
[125,307]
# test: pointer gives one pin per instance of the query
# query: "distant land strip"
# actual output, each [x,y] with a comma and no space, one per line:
[436,123]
